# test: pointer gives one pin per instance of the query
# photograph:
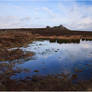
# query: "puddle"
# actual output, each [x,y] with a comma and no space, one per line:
[53,58]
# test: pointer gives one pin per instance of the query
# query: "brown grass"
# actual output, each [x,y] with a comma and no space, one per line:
[41,83]
[59,37]
[15,39]
[13,54]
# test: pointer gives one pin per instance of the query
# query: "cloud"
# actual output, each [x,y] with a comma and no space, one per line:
[71,14]
[77,16]
[13,22]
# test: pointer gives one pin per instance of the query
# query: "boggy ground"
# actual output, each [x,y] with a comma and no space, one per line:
[12,39]
[19,37]
[14,54]
[44,83]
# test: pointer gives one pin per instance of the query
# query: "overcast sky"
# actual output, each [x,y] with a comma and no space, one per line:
[74,14]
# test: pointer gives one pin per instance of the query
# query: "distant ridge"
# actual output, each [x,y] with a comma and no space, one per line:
[51,31]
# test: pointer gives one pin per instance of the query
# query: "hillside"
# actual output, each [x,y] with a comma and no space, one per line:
[51,31]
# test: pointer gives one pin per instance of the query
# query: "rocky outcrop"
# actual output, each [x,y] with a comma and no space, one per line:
[61,27]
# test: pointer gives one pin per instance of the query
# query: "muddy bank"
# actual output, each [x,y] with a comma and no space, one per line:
[48,83]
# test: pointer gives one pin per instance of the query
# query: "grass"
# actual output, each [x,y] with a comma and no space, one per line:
[14,54]
[15,39]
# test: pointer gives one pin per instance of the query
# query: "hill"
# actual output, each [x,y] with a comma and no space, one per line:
[51,31]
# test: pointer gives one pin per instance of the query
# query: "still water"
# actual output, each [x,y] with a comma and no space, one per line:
[52,58]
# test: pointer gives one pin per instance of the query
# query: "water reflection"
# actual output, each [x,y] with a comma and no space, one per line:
[60,41]
[53,58]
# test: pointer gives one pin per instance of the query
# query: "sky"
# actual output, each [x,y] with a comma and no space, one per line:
[73,14]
